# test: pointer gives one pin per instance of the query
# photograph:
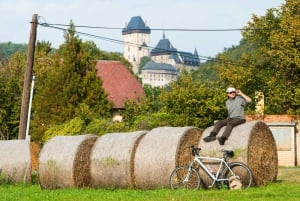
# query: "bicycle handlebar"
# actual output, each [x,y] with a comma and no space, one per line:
[226,153]
[195,150]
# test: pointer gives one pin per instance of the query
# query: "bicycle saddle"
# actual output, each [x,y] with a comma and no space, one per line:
[228,153]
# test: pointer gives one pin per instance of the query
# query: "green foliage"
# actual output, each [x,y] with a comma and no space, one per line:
[67,86]
[206,72]
[72,127]
[43,47]
[115,56]
[185,102]
[96,126]
[68,95]
[4,179]
[154,120]
[276,36]
[143,62]
[104,126]
[80,125]
[11,85]
[267,60]
[147,106]
[34,177]
[8,49]
[197,102]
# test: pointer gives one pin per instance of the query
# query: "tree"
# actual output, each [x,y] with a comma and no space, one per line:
[186,102]
[143,62]
[197,102]
[8,49]
[11,83]
[267,60]
[67,81]
[277,61]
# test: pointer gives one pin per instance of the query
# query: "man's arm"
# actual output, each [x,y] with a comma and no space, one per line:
[247,98]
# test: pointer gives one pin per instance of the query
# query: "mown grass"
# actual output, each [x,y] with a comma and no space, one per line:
[285,189]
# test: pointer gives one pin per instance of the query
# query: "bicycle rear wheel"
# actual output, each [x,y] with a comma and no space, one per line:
[241,178]
[181,178]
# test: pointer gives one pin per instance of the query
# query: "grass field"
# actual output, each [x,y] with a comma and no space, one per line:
[286,188]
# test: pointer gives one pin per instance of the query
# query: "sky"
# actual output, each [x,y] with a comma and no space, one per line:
[16,15]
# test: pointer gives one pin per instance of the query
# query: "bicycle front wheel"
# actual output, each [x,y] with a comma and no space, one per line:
[184,178]
[240,176]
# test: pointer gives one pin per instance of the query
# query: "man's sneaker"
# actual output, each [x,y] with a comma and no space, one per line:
[221,140]
[211,137]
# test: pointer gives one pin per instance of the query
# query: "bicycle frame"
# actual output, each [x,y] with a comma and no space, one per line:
[215,177]
[233,175]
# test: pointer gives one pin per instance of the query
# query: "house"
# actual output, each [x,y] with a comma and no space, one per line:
[285,130]
[120,85]
[158,74]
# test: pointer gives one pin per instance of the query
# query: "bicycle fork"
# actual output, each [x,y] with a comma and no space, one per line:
[187,177]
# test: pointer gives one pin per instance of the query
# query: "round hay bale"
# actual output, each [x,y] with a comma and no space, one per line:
[64,162]
[112,160]
[253,144]
[159,152]
[15,161]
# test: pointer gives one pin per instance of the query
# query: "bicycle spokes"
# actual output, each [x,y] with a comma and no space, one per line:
[183,177]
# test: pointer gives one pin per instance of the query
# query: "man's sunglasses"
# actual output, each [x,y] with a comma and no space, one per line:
[233,92]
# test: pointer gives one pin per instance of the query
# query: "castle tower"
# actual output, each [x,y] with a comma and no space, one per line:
[136,39]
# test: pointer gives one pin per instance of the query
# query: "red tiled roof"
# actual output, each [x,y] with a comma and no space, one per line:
[118,82]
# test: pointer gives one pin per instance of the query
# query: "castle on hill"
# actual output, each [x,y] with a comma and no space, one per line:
[166,61]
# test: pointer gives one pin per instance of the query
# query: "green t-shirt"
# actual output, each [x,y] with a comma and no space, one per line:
[235,107]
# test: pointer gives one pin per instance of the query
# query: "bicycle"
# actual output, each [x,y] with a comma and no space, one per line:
[233,175]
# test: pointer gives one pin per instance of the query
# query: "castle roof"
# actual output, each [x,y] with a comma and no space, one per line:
[136,25]
[158,66]
[164,47]
[189,58]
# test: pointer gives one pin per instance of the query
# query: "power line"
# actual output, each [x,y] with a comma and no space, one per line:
[56,26]
[164,29]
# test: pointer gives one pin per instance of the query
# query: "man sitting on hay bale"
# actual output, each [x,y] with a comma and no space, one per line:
[235,105]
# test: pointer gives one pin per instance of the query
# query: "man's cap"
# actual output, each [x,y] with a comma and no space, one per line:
[230,89]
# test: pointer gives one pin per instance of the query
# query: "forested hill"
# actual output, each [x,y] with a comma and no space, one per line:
[232,55]
[9,48]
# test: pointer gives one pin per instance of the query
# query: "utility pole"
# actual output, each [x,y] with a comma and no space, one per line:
[27,78]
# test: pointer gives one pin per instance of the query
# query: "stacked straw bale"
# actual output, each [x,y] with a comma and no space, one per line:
[253,144]
[112,160]
[160,151]
[15,161]
[64,161]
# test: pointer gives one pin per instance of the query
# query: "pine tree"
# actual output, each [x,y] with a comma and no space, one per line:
[70,83]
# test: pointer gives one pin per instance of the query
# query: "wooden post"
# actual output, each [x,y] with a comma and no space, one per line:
[27,78]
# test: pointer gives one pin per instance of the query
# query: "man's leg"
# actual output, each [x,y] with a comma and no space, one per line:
[214,132]
[232,122]
[219,125]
